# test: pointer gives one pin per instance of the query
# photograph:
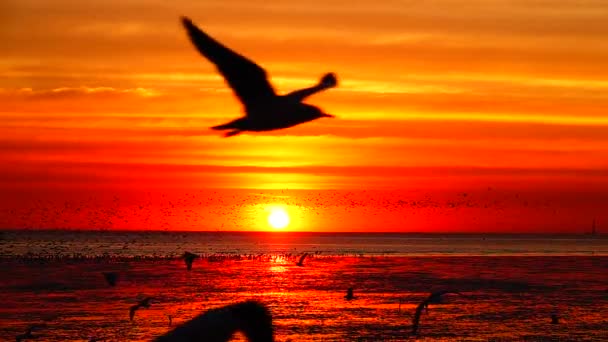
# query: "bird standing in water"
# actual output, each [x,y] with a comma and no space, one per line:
[189,259]
[28,333]
[349,294]
[111,278]
[264,109]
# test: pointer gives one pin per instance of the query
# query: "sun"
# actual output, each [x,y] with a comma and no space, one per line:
[278,218]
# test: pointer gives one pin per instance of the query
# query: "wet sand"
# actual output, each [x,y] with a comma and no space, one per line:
[507,297]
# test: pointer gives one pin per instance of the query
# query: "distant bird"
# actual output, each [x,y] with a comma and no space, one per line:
[111,278]
[433,298]
[97,339]
[170,320]
[28,333]
[349,294]
[554,319]
[189,259]
[218,325]
[436,297]
[264,109]
[145,303]
[301,261]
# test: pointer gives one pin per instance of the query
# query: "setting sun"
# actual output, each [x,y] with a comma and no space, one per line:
[278,218]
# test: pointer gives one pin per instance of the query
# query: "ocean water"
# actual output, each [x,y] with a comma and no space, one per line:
[511,284]
[61,243]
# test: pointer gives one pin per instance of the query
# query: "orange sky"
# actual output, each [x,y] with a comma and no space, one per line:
[502,100]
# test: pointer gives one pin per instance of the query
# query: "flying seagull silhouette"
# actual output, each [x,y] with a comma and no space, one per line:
[218,325]
[433,298]
[189,259]
[301,261]
[145,303]
[28,333]
[264,109]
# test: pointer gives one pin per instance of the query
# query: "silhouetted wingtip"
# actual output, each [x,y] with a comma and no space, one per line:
[219,127]
[185,20]
[188,24]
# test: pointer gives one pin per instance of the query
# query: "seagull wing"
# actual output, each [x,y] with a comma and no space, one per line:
[435,296]
[302,258]
[416,318]
[247,79]
[132,311]
[252,319]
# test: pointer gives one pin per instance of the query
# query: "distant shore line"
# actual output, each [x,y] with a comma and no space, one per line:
[277,258]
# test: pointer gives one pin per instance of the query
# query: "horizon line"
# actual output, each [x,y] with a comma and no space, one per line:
[88,230]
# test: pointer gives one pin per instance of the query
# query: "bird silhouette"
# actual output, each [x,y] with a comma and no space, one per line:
[145,303]
[28,333]
[554,319]
[189,259]
[433,298]
[301,261]
[111,278]
[401,301]
[264,109]
[349,294]
[218,325]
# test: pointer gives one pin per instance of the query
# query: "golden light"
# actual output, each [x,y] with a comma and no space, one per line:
[278,218]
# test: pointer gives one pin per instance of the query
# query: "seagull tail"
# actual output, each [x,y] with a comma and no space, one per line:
[232,133]
[232,126]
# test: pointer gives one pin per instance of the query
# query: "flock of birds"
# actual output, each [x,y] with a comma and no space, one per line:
[251,318]
[264,111]
[192,209]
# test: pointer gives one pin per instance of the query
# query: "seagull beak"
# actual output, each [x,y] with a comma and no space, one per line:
[325,115]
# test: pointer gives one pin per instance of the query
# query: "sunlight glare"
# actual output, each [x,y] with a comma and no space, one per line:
[278,218]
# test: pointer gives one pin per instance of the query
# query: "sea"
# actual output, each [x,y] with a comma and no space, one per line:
[509,286]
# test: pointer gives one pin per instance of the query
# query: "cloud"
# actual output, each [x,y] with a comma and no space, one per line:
[69,92]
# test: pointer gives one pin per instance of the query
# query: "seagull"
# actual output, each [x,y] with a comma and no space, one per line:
[218,325]
[189,259]
[145,303]
[436,297]
[433,298]
[301,261]
[111,278]
[401,300]
[349,294]
[28,333]
[264,109]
